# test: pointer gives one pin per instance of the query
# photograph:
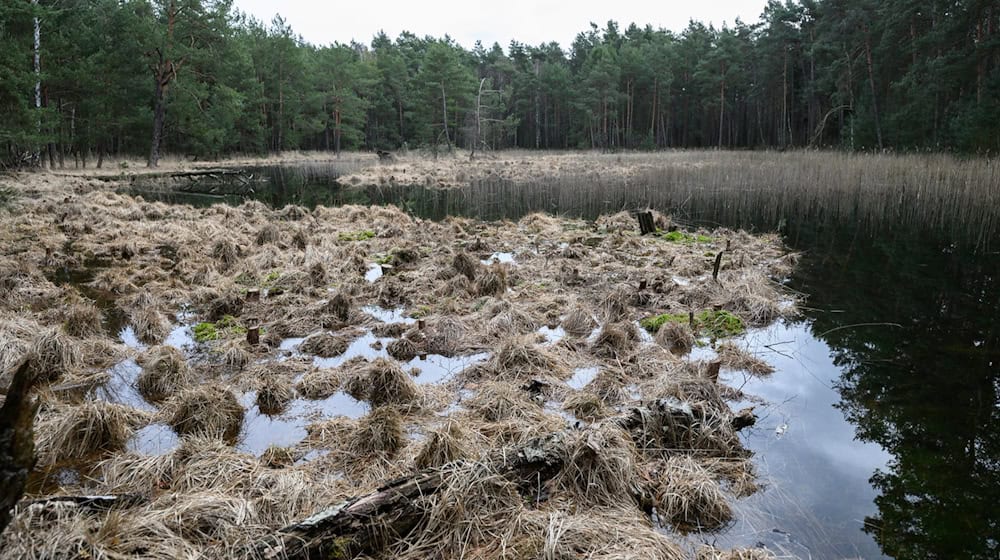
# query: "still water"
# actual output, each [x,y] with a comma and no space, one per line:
[882,433]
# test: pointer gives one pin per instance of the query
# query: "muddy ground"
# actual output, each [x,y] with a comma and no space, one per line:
[233,370]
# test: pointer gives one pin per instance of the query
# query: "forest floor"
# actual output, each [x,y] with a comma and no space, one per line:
[389,347]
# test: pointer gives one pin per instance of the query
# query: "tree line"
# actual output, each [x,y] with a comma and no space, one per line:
[199,78]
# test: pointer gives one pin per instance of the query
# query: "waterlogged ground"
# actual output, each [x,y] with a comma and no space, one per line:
[269,363]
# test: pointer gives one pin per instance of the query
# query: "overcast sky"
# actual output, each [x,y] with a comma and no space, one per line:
[529,21]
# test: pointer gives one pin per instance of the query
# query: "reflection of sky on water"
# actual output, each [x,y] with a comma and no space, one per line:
[817,492]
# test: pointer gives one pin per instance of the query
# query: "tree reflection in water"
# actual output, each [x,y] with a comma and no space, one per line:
[926,391]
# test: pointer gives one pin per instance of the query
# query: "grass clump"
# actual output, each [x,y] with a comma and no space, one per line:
[689,498]
[443,446]
[164,372]
[51,354]
[207,410]
[380,432]
[79,432]
[356,235]
[710,323]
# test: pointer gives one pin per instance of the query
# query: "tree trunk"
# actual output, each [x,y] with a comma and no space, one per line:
[38,80]
[159,109]
[444,116]
[871,83]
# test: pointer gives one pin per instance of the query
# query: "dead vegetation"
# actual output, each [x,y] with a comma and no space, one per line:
[649,432]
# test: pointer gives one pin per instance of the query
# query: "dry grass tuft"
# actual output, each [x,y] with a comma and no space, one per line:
[616,340]
[82,320]
[227,252]
[340,306]
[593,533]
[600,466]
[615,305]
[579,323]
[273,395]
[52,354]
[208,410]
[688,497]
[492,281]
[444,445]
[324,345]
[164,373]
[269,233]
[676,337]
[150,325]
[383,382]
[319,383]
[277,457]
[403,349]
[236,356]
[734,357]
[465,265]
[380,432]
[81,431]
[585,406]
[520,358]
[497,402]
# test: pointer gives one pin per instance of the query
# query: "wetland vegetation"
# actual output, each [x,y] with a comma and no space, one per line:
[265,299]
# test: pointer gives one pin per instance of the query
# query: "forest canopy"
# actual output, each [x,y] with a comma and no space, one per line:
[199,78]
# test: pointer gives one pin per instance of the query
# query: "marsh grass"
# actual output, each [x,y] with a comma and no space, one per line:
[754,190]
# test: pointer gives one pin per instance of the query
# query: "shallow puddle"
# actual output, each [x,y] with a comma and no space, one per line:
[435,368]
[154,439]
[500,257]
[289,428]
[373,273]
[388,315]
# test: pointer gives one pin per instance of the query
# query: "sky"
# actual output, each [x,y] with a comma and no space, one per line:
[532,22]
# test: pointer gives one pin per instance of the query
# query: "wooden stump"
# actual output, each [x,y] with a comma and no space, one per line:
[646,224]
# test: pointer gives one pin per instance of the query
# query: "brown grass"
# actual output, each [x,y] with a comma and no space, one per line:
[208,410]
[82,320]
[52,354]
[600,466]
[380,432]
[444,445]
[80,431]
[324,345]
[736,358]
[164,372]
[688,497]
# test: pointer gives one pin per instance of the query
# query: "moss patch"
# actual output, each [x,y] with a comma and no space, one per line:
[709,323]
[356,235]
[225,327]
[681,237]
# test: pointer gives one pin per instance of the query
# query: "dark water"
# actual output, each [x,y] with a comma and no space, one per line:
[883,437]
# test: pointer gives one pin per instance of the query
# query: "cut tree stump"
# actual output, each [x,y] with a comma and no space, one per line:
[646,224]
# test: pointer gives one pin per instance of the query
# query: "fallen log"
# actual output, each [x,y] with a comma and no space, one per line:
[364,524]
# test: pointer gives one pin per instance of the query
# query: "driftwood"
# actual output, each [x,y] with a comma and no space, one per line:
[17,444]
[363,524]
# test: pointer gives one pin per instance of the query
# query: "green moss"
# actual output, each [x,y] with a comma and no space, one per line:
[224,327]
[245,279]
[355,235]
[719,324]
[708,323]
[678,236]
[271,277]
[204,332]
[653,324]
[420,311]
[383,258]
